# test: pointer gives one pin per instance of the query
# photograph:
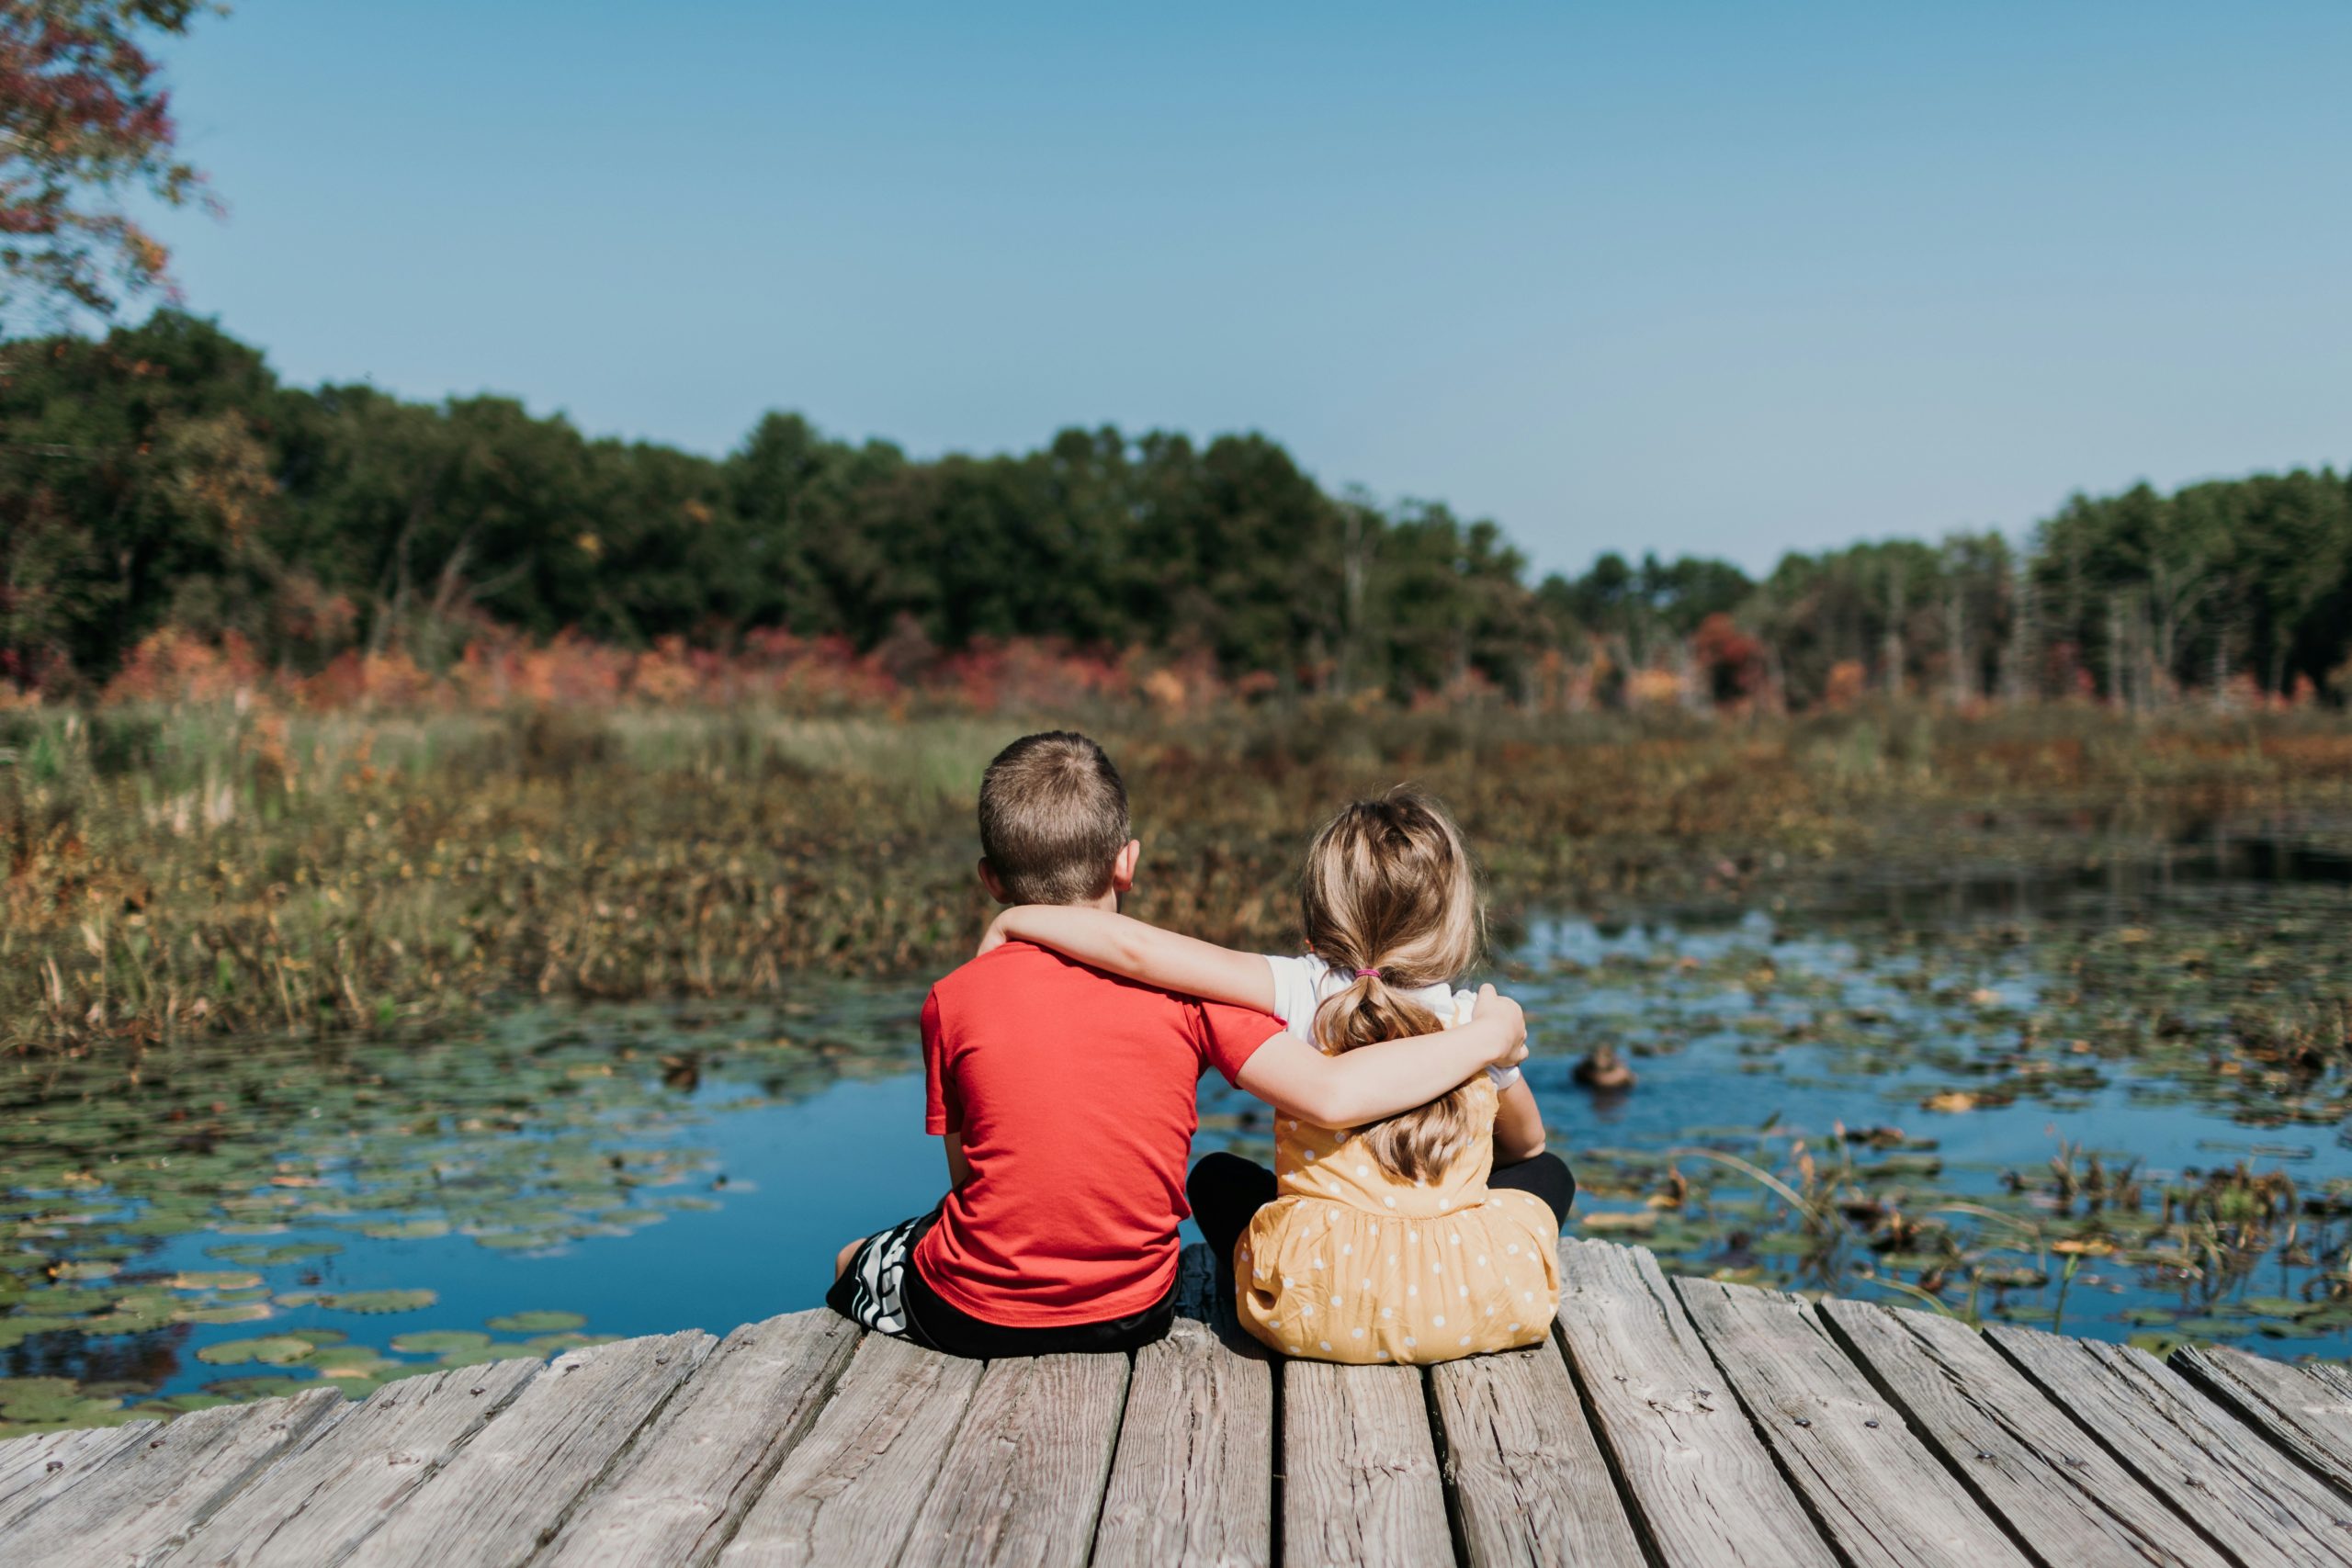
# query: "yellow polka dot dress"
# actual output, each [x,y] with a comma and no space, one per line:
[1352,1263]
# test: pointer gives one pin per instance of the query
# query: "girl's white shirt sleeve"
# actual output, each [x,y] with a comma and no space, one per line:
[1302,983]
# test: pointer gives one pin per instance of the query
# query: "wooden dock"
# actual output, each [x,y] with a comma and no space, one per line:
[1668,1423]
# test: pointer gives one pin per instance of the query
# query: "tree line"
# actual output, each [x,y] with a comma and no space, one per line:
[161,476]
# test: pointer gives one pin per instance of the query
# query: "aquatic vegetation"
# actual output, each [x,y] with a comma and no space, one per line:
[218,1220]
[184,871]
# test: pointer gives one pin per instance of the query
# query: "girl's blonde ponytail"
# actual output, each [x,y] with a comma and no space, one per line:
[1390,894]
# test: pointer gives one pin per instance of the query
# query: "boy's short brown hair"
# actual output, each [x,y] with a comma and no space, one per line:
[1053,818]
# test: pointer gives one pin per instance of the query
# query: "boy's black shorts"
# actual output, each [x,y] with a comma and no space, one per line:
[883,1291]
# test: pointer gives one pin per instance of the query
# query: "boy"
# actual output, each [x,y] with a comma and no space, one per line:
[1067,1097]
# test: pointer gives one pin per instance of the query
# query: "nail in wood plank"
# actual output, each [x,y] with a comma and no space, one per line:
[1192,1480]
[1022,1481]
[1705,1491]
[511,1488]
[1881,1492]
[318,1503]
[2025,1456]
[713,1449]
[2241,1492]
[2304,1407]
[848,1492]
[154,1491]
[1359,1476]
[1528,1476]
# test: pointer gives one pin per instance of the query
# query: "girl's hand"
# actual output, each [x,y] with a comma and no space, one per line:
[1509,1020]
[994,937]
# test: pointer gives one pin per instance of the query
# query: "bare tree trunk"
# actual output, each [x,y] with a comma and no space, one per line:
[2119,666]
[2021,664]
[1963,681]
[1891,641]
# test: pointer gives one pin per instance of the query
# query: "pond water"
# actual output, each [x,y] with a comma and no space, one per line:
[2110,1099]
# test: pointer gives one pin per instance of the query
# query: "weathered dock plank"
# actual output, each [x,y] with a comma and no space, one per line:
[508,1490]
[2260,1506]
[1704,1491]
[2025,1457]
[1530,1484]
[1882,1494]
[315,1505]
[1360,1473]
[35,1469]
[849,1491]
[2305,1408]
[1024,1480]
[148,1495]
[687,1483]
[1191,1484]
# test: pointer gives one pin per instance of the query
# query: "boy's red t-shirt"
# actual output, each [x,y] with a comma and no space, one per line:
[1075,1092]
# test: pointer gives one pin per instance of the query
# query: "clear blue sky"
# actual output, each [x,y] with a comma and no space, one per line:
[1709,277]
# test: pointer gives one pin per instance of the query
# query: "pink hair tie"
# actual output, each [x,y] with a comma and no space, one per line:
[1367,974]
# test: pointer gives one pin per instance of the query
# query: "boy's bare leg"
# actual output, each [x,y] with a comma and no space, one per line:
[841,1261]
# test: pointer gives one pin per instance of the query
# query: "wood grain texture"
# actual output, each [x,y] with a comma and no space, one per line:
[313,1507]
[1192,1480]
[849,1491]
[1360,1473]
[35,1469]
[2304,1407]
[508,1490]
[2024,1456]
[1881,1492]
[1529,1482]
[2244,1495]
[1706,1492]
[128,1509]
[715,1445]
[1022,1481]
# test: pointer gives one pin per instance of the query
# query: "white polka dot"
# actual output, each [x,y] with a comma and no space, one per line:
[1409,1342]
[1527,1295]
[1455,1239]
[1439,1320]
[1463,1290]
[1285,1282]
[1390,1202]
[1382,1354]
[1512,1249]
[1310,1157]
[1412,1235]
[1325,1343]
[1412,1290]
[1338,1302]
[1465,1339]
[1482,1260]
[1392,1259]
[1359,1334]
[1389,1312]
[1437,1269]
[1307,1309]
[1445,1204]
[1514,1329]
[1347,1249]
[1318,1262]
[1364,1170]
[1293,1350]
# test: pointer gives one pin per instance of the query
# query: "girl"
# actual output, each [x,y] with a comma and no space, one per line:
[1430,1235]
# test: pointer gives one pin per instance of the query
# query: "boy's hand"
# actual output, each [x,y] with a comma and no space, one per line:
[1506,1016]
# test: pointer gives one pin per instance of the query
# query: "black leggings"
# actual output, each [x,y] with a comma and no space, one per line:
[1227,1190]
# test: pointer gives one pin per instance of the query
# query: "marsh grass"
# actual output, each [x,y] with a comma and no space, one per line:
[198,869]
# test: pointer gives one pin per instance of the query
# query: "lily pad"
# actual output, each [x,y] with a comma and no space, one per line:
[538,1322]
[374,1302]
[274,1351]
